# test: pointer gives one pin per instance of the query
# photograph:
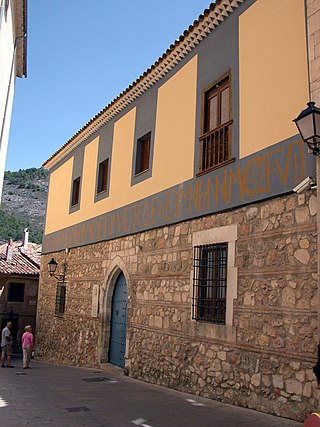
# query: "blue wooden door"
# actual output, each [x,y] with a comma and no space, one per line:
[117,347]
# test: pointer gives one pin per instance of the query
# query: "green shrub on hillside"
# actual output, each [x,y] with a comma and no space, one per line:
[11,227]
[26,178]
[12,223]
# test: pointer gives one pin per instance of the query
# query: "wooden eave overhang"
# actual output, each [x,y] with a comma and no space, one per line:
[20,35]
[198,31]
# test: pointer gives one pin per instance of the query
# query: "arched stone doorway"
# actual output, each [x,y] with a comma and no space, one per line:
[118,326]
[116,270]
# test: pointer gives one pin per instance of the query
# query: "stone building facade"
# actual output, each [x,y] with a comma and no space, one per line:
[202,278]
[265,362]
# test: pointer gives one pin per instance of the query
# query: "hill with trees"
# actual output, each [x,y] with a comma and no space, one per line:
[23,204]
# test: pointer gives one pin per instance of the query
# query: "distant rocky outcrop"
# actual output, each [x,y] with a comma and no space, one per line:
[23,204]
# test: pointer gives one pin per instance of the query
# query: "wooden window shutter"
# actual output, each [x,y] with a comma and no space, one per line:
[145,153]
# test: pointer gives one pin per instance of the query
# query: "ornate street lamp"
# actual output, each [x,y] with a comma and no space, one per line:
[308,124]
[52,266]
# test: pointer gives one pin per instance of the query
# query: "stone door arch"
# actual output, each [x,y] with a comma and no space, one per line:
[116,268]
[118,326]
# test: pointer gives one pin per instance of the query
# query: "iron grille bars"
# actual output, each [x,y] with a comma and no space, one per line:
[210,283]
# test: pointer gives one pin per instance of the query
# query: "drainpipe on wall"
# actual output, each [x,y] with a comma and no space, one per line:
[313,97]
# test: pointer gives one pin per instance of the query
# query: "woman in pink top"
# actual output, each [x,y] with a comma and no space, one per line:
[27,346]
[313,420]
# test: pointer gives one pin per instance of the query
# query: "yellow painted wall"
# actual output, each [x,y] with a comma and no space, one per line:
[273,72]
[175,128]
[121,163]
[88,178]
[59,196]
[173,158]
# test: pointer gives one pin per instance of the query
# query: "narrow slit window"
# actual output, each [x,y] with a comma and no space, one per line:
[143,154]
[75,192]
[60,299]
[103,176]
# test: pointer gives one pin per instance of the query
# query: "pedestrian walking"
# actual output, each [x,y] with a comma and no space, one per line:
[27,346]
[316,368]
[313,420]
[6,345]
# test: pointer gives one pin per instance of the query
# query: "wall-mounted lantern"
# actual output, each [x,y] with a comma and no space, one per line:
[52,267]
[308,124]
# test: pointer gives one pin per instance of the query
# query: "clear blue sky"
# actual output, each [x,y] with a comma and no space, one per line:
[81,55]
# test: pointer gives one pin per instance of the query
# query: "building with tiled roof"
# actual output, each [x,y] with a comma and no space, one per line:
[182,253]
[24,261]
[19,280]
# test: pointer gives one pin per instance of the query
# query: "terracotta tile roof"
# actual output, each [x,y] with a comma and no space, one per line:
[24,262]
[33,252]
[199,30]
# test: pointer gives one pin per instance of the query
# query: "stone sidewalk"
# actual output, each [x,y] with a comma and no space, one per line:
[60,396]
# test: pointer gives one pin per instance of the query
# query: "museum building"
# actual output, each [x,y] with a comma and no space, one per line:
[178,249]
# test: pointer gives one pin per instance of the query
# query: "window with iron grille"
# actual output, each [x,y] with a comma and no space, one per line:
[143,154]
[103,176]
[215,142]
[60,299]
[210,283]
[75,192]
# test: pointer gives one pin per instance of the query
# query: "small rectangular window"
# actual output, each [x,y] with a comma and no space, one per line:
[210,283]
[143,154]
[215,142]
[60,299]
[16,292]
[103,176]
[75,192]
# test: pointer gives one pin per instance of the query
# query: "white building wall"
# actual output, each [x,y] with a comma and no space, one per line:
[7,82]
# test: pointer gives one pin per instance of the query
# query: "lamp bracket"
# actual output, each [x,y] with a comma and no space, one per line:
[60,277]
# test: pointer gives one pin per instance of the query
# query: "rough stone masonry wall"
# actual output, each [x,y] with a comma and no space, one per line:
[72,338]
[75,337]
[268,366]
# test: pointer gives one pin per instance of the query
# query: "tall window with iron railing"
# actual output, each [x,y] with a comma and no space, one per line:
[215,141]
